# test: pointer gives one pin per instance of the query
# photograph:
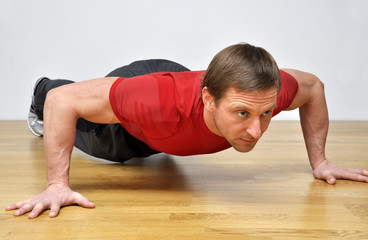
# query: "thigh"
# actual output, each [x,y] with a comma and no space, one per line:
[111,142]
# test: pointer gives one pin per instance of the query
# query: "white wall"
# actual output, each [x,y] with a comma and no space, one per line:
[83,39]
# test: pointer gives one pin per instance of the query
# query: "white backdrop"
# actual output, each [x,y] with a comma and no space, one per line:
[83,39]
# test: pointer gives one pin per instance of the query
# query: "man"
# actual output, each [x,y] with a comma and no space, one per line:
[174,111]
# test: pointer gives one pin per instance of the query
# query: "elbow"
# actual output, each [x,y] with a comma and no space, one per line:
[53,98]
[313,85]
[315,82]
[58,99]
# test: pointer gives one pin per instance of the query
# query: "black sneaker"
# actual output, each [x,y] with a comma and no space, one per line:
[34,123]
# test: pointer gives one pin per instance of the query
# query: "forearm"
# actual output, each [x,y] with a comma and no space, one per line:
[63,107]
[59,136]
[311,101]
[314,122]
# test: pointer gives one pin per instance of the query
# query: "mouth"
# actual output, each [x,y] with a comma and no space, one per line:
[248,141]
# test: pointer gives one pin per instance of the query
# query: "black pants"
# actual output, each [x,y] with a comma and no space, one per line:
[109,141]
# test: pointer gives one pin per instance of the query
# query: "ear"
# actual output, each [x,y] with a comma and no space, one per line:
[208,100]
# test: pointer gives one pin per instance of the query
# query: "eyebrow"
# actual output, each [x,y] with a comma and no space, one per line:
[273,107]
[247,109]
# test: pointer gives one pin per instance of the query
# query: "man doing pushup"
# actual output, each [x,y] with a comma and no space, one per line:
[157,106]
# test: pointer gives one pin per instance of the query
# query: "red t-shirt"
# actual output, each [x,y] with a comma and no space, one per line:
[165,111]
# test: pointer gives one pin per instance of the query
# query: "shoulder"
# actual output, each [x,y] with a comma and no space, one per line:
[288,91]
[307,84]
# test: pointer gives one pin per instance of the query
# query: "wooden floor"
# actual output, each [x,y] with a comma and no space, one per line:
[269,193]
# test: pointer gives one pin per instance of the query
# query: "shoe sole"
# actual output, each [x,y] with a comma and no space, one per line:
[34,86]
[31,129]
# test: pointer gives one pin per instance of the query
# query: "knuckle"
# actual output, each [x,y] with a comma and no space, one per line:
[20,204]
[27,206]
[39,206]
[362,178]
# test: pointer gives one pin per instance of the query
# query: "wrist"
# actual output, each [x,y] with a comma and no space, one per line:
[316,164]
[57,184]
[316,158]
[58,179]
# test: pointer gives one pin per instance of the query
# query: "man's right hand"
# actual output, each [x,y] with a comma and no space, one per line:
[56,195]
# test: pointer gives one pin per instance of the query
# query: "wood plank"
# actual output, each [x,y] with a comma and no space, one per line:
[269,193]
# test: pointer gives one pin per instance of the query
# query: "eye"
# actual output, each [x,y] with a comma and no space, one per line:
[266,113]
[242,114]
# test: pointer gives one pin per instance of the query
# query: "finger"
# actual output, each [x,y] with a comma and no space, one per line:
[17,205]
[37,210]
[11,207]
[24,209]
[356,175]
[54,211]
[83,201]
[331,179]
[359,178]
[359,171]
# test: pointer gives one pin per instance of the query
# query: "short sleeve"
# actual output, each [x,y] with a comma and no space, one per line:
[289,88]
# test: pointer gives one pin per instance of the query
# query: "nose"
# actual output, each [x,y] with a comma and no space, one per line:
[254,128]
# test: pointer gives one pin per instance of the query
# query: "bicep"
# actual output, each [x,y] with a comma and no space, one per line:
[308,85]
[90,99]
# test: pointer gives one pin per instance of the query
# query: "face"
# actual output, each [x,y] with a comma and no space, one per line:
[240,117]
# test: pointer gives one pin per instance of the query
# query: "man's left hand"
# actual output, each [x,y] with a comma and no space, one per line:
[330,172]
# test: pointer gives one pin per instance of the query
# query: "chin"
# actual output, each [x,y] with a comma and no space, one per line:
[244,149]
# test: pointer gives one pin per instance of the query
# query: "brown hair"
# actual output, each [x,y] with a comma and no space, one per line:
[243,67]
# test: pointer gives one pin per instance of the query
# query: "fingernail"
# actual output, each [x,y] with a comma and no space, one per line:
[16,213]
